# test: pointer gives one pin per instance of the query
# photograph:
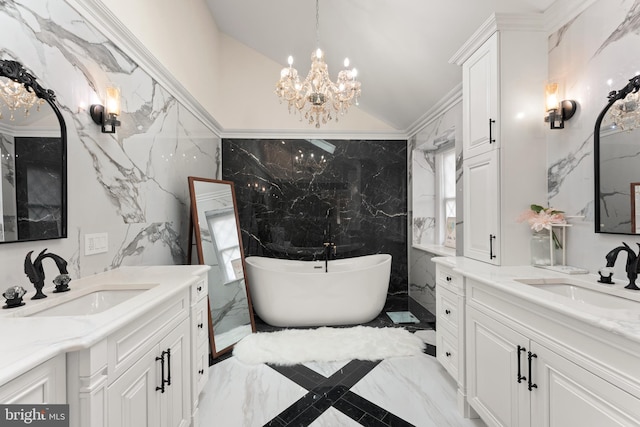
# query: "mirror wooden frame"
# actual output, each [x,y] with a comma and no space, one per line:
[193,231]
[613,96]
[15,71]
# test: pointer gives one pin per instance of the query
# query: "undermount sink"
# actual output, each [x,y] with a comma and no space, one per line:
[595,295]
[92,302]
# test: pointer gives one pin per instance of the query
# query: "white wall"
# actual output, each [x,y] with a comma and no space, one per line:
[233,82]
[131,185]
[599,45]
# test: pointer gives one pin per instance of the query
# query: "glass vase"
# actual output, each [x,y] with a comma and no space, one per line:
[542,249]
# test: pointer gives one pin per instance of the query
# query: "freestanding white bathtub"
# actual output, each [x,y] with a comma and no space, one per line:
[301,293]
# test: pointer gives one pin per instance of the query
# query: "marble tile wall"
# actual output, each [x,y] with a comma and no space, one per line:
[591,55]
[422,182]
[295,194]
[133,184]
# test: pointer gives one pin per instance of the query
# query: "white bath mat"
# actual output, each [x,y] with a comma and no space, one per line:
[295,346]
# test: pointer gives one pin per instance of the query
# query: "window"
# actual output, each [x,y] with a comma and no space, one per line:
[446,197]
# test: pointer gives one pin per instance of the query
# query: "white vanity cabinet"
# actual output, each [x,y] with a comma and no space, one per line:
[450,332]
[46,383]
[529,367]
[148,373]
[504,66]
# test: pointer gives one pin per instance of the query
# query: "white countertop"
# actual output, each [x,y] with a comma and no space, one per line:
[623,322]
[29,341]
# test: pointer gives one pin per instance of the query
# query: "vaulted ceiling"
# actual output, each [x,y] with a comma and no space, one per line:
[401,48]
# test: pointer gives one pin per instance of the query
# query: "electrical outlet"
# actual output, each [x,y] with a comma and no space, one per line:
[96,243]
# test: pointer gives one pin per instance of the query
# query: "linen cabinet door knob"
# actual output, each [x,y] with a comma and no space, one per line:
[200,325]
[447,312]
[448,354]
[448,278]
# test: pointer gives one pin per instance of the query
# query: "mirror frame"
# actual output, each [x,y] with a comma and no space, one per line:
[632,86]
[193,231]
[16,72]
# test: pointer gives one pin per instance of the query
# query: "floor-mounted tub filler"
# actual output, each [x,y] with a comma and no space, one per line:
[300,293]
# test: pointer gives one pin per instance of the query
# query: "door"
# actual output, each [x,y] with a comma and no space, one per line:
[496,359]
[567,395]
[133,398]
[480,99]
[481,207]
[175,406]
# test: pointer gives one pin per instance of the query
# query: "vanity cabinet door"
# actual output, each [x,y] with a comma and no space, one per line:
[136,398]
[480,101]
[133,398]
[481,207]
[493,389]
[43,384]
[175,403]
[567,395]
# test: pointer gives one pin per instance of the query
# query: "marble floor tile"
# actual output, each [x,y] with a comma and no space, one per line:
[334,418]
[401,392]
[417,389]
[239,395]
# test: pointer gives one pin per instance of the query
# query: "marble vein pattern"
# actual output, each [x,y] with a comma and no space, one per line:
[590,57]
[426,394]
[402,391]
[131,184]
[294,195]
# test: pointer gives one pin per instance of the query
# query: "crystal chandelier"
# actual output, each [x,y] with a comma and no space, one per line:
[317,98]
[625,113]
[17,97]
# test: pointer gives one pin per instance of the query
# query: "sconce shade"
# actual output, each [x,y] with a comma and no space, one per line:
[107,116]
[557,111]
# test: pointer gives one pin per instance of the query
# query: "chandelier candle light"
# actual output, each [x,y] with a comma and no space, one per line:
[317,98]
[17,97]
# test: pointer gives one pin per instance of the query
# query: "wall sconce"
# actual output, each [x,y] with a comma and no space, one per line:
[557,111]
[107,115]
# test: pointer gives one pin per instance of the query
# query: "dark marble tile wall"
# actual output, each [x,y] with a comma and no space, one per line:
[293,195]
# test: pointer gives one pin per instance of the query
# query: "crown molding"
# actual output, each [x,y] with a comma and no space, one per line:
[497,22]
[301,134]
[562,12]
[111,27]
[453,97]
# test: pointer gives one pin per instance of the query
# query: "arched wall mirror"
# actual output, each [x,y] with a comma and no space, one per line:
[214,215]
[617,162]
[33,163]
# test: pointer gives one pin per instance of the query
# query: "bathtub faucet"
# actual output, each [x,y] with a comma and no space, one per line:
[329,248]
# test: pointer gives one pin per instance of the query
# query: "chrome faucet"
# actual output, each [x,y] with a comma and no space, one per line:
[35,273]
[631,266]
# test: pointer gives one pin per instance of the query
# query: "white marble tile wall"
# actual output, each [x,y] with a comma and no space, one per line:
[422,182]
[591,55]
[132,185]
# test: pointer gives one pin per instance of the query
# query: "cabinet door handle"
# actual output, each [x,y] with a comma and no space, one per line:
[200,325]
[491,254]
[447,311]
[531,385]
[491,122]
[448,278]
[520,377]
[199,288]
[448,354]
[161,359]
[201,371]
[168,366]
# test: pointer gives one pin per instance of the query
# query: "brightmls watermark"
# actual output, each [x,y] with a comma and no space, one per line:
[34,415]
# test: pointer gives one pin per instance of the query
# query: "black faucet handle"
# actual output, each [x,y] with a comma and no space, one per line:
[606,275]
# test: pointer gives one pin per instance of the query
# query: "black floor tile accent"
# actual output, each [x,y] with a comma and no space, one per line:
[332,391]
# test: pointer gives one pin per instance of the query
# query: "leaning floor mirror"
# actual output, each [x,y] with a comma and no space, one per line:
[216,229]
